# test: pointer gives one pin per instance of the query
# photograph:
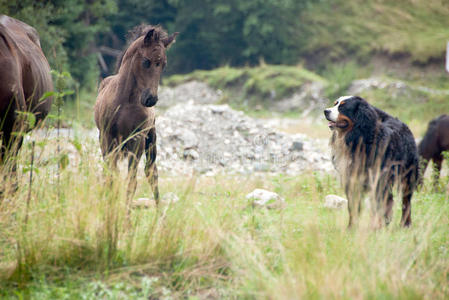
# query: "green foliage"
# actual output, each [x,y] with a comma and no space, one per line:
[340,76]
[266,82]
[237,33]
[67,30]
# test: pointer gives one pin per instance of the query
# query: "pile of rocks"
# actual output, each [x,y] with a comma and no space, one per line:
[196,91]
[209,139]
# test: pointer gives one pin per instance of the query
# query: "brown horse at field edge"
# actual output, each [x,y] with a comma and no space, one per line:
[24,78]
[434,143]
[124,112]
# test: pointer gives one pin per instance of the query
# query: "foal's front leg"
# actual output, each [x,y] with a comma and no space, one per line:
[150,164]
[135,149]
[133,161]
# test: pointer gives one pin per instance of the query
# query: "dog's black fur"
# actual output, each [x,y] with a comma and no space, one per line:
[373,151]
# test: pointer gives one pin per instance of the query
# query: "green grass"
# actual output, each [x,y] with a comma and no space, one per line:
[414,107]
[79,109]
[266,82]
[77,243]
[358,29]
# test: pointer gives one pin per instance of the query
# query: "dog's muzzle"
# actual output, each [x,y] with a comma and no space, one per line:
[331,124]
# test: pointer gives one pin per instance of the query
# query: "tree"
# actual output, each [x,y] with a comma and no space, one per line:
[67,30]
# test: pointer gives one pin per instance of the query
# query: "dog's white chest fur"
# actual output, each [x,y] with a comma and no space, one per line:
[340,154]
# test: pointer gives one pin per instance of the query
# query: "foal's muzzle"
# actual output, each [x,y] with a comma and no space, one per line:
[147,99]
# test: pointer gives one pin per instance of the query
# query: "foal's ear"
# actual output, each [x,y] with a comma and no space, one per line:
[168,41]
[150,37]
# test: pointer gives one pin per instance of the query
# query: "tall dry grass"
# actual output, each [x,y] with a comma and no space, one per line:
[211,243]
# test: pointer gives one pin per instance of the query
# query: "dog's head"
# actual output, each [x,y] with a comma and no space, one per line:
[344,113]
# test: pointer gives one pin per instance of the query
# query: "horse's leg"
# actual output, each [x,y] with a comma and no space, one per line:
[11,144]
[135,151]
[109,151]
[150,164]
[3,155]
[422,170]
[438,160]
[132,178]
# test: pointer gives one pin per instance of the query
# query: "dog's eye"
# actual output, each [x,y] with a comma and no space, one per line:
[146,63]
[342,103]
[335,103]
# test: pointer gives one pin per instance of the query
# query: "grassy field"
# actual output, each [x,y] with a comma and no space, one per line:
[71,239]
[67,235]
[416,30]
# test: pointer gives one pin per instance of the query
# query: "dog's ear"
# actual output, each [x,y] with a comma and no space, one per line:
[364,130]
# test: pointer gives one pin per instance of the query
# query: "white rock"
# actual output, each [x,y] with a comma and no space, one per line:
[264,198]
[169,198]
[335,202]
[191,154]
[143,203]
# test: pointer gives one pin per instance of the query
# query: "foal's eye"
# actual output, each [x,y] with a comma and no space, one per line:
[158,64]
[146,63]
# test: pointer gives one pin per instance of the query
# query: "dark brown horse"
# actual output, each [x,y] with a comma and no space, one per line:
[24,78]
[435,141]
[124,111]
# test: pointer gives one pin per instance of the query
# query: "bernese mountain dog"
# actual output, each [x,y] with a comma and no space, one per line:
[372,151]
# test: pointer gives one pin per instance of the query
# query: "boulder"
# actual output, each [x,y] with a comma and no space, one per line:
[267,199]
[335,202]
[143,203]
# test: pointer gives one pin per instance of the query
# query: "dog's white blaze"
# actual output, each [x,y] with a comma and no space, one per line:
[333,116]
[342,98]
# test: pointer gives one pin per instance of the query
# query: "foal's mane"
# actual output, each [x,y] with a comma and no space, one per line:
[137,32]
